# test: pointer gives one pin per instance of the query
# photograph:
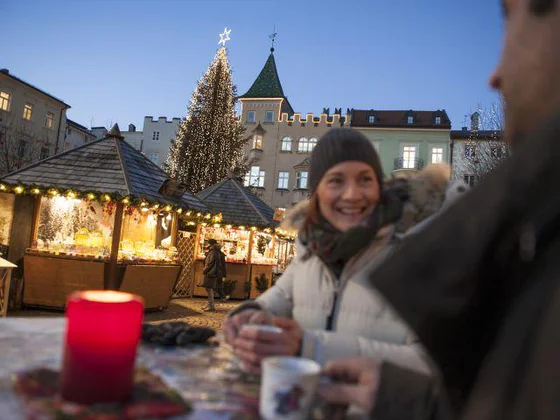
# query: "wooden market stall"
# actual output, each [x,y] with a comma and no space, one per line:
[246,235]
[101,216]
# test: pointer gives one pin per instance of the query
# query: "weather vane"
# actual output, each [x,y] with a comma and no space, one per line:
[224,37]
[272,38]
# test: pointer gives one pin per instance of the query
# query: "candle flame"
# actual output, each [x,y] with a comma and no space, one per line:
[107,296]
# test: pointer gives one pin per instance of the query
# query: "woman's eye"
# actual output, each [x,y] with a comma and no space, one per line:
[367,179]
[335,181]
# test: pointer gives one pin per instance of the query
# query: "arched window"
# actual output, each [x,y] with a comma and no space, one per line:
[286,144]
[312,144]
[303,145]
[257,141]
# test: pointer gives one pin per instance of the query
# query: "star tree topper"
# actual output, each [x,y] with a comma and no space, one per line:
[224,37]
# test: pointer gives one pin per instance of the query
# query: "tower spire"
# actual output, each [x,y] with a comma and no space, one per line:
[272,38]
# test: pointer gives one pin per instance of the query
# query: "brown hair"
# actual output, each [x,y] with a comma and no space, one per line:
[313,213]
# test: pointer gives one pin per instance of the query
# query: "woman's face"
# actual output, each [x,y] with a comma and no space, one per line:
[347,194]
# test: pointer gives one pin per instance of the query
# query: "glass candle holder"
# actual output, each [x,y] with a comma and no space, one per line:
[102,334]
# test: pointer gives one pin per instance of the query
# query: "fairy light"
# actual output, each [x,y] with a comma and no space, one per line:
[35,191]
[71,194]
[3,187]
[53,192]
[91,196]
[168,208]
[126,200]
[144,209]
[179,211]
[107,197]
[18,189]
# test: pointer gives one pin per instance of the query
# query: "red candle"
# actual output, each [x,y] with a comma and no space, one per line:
[102,334]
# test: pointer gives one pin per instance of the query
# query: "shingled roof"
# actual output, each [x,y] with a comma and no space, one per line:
[399,119]
[109,165]
[237,204]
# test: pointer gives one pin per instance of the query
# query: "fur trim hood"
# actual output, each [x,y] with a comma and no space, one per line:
[426,193]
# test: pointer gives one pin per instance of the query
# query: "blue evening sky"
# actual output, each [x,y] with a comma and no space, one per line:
[119,60]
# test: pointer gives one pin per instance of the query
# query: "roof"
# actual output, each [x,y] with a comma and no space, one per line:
[108,165]
[465,134]
[237,204]
[267,84]
[399,119]
[6,72]
[76,125]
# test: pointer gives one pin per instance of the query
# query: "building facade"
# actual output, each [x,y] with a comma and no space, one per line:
[280,141]
[32,123]
[155,138]
[76,135]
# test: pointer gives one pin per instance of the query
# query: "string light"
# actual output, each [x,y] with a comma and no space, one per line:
[18,189]
[91,196]
[35,191]
[126,200]
[3,187]
[179,211]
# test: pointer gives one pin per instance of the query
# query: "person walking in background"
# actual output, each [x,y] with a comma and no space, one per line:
[481,287]
[212,272]
[350,224]
[223,270]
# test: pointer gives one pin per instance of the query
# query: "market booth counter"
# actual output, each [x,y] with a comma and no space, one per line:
[247,239]
[103,217]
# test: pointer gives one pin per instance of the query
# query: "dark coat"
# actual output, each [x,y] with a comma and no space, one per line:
[212,268]
[480,287]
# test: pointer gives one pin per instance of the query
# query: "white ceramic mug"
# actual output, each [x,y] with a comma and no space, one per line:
[288,387]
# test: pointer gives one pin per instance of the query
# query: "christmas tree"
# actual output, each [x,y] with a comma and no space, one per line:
[209,144]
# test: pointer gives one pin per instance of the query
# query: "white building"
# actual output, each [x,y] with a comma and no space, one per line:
[155,138]
[76,135]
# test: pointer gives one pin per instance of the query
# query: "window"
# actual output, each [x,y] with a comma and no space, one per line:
[410,119]
[49,121]
[409,157]
[22,147]
[312,144]
[154,157]
[255,177]
[269,116]
[155,136]
[283,180]
[251,117]
[437,155]
[496,152]
[286,144]
[44,152]
[257,142]
[27,111]
[303,145]
[371,119]
[470,151]
[5,100]
[301,181]
[438,120]
[469,180]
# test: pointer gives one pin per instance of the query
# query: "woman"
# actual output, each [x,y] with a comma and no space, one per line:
[351,224]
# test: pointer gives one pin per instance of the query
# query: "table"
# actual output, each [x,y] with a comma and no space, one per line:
[208,377]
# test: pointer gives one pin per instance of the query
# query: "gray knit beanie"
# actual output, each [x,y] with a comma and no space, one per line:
[341,145]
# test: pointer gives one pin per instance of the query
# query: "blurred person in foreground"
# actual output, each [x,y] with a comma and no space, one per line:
[351,223]
[481,286]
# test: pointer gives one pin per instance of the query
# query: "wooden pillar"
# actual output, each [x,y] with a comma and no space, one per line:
[115,242]
[174,228]
[36,216]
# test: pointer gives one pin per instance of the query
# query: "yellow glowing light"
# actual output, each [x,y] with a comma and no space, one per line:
[199,214]
[204,224]
[35,191]
[106,197]
[144,209]
[168,217]
[53,192]
[156,206]
[189,213]
[267,230]
[216,225]
[126,200]
[90,196]
[18,189]
[2,187]
[191,223]
[143,204]
[253,228]
[106,296]
[208,216]
[228,227]
[71,195]
[167,208]
[241,227]
[180,211]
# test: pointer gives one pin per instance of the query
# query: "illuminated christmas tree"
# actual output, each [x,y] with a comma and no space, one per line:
[209,144]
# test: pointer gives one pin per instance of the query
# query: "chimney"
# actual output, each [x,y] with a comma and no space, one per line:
[5,71]
[475,120]
[131,127]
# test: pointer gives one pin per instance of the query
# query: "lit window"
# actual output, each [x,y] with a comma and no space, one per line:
[303,145]
[410,119]
[155,136]
[301,181]
[283,180]
[438,120]
[49,121]
[251,118]
[269,116]
[469,180]
[257,142]
[44,153]
[470,151]
[312,144]
[154,157]
[437,155]
[27,111]
[409,157]
[255,177]
[5,101]
[371,119]
[286,144]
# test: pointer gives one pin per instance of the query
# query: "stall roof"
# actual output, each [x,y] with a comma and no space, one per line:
[109,165]
[237,204]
